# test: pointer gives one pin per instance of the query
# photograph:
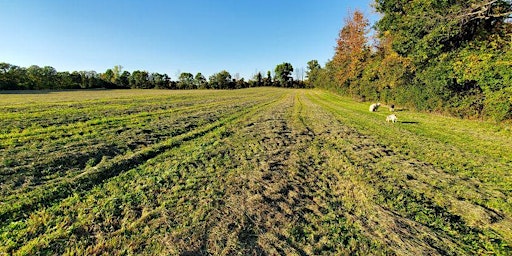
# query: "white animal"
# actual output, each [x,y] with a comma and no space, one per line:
[391,118]
[374,107]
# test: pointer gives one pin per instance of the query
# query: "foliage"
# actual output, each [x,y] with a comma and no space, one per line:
[186,81]
[283,73]
[221,80]
[447,56]
[200,81]
[351,50]
[257,80]
[47,78]
[312,72]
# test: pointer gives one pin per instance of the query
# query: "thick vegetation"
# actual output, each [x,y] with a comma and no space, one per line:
[13,77]
[263,171]
[450,56]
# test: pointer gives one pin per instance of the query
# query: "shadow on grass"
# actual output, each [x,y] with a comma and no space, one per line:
[48,91]
[25,91]
[409,122]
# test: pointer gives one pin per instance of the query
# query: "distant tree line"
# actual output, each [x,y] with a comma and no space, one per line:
[13,77]
[448,56]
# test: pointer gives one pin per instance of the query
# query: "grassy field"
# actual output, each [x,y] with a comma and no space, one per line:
[262,171]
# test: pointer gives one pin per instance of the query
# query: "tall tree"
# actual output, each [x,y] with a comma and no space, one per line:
[267,81]
[186,81]
[221,80]
[7,80]
[283,74]
[49,75]
[158,80]
[200,81]
[140,79]
[108,76]
[124,79]
[117,71]
[35,77]
[351,48]
[312,72]
[257,80]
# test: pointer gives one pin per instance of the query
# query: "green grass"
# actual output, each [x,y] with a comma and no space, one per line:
[256,171]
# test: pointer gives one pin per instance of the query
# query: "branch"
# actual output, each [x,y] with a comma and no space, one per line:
[481,11]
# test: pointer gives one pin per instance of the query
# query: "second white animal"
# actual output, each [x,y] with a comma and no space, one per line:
[391,118]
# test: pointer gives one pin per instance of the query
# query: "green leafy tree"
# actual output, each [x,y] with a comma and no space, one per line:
[11,77]
[283,74]
[459,50]
[312,72]
[221,80]
[34,77]
[425,29]
[267,81]
[140,79]
[117,71]
[240,83]
[108,76]
[159,81]
[200,81]
[124,79]
[257,80]
[186,81]
[76,79]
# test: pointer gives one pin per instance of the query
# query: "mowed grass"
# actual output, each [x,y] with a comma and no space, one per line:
[262,171]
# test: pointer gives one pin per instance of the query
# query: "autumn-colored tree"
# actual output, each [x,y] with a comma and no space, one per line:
[351,48]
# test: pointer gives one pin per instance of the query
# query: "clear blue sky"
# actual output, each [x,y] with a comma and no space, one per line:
[240,36]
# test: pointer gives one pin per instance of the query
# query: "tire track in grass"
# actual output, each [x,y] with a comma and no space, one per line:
[275,199]
[110,121]
[229,228]
[104,170]
[349,152]
[41,161]
[75,129]
[57,236]
[330,213]
[64,163]
[32,134]
[401,201]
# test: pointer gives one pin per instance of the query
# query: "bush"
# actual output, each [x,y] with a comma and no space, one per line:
[467,104]
[498,105]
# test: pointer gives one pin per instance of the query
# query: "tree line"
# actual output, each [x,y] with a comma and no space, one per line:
[13,77]
[448,56]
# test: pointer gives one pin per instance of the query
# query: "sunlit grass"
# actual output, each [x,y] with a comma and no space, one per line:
[254,171]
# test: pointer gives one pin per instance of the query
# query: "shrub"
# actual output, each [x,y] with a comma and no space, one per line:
[498,105]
